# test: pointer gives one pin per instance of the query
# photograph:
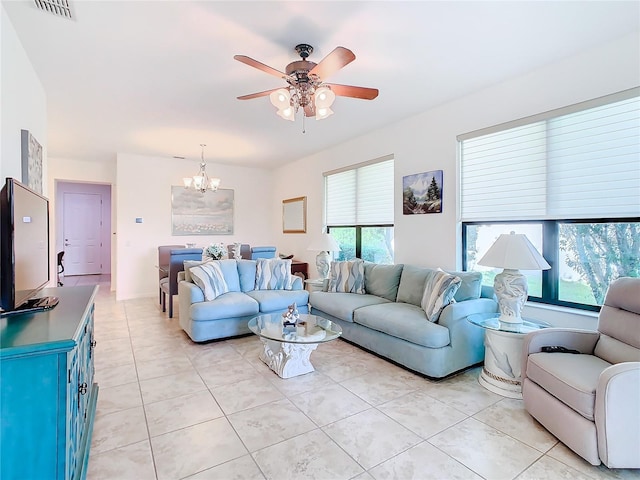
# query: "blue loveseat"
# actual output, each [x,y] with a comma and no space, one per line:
[228,314]
[389,321]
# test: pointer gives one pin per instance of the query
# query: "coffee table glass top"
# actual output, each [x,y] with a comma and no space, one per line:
[491,322]
[309,329]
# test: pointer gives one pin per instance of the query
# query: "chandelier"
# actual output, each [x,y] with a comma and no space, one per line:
[201,182]
[314,99]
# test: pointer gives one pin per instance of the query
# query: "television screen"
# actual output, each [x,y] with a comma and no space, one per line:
[24,245]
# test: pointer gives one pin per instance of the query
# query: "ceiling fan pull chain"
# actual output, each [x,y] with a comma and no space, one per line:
[304,130]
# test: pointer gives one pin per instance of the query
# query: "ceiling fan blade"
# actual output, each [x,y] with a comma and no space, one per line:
[333,62]
[258,94]
[260,66]
[363,93]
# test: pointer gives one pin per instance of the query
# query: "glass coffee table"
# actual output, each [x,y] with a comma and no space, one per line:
[503,341]
[286,350]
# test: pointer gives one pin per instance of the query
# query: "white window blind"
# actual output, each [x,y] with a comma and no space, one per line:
[575,163]
[362,195]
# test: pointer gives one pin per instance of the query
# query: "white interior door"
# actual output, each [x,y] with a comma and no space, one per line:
[82,233]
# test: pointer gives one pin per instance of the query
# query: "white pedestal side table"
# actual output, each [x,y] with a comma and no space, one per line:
[501,373]
[286,350]
[315,284]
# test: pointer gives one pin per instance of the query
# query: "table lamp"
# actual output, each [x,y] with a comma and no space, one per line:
[512,252]
[324,244]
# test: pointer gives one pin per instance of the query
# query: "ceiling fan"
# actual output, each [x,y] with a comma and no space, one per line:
[307,89]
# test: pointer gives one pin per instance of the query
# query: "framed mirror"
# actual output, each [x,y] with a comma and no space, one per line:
[294,215]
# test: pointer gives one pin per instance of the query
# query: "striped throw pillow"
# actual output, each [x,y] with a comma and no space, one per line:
[347,277]
[273,274]
[210,279]
[439,289]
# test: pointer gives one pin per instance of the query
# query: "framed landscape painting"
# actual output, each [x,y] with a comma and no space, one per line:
[196,213]
[31,161]
[422,193]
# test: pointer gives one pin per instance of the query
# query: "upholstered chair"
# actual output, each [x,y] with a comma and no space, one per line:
[177,256]
[245,251]
[163,266]
[591,400]
[263,252]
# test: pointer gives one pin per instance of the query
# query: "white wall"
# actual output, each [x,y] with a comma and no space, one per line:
[24,107]
[23,101]
[144,190]
[428,142]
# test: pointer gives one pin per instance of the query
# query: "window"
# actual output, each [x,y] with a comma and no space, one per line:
[569,180]
[359,210]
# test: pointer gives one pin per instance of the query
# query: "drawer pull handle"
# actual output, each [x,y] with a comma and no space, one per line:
[82,388]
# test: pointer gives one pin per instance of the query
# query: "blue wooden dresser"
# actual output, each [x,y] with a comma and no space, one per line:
[47,394]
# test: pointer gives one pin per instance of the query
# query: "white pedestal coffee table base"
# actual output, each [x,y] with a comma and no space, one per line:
[501,373]
[287,359]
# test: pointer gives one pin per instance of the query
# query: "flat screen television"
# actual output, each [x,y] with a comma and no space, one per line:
[24,249]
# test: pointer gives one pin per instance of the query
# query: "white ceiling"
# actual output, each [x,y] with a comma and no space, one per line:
[159,78]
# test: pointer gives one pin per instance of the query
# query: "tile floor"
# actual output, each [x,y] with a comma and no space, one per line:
[172,409]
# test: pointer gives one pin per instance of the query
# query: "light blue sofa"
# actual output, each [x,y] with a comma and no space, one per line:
[228,314]
[389,321]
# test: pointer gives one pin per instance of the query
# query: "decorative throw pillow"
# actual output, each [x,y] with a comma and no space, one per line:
[439,289]
[188,265]
[347,277]
[273,274]
[209,278]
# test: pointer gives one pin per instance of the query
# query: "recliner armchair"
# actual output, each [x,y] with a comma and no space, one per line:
[591,401]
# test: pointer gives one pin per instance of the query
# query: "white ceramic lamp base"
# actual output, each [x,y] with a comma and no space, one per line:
[323,261]
[511,290]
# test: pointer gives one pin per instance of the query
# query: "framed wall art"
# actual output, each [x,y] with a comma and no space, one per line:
[196,213]
[294,215]
[31,152]
[422,193]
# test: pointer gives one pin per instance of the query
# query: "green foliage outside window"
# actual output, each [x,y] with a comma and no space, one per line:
[376,243]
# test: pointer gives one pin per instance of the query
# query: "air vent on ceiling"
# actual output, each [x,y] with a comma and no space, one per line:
[60,8]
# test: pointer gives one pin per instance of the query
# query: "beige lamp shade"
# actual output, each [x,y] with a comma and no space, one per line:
[324,243]
[514,251]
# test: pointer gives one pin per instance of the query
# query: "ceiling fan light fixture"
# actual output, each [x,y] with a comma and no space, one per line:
[280,99]
[323,112]
[287,113]
[306,91]
[324,97]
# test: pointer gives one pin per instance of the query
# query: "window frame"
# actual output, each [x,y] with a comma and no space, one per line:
[497,153]
[550,251]
[360,222]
